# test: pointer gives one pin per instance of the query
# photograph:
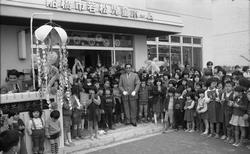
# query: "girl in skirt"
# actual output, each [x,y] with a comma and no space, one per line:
[214,106]
[158,93]
[189,112]
[239,109]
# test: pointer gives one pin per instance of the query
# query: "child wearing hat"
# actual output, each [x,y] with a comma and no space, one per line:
[239,109]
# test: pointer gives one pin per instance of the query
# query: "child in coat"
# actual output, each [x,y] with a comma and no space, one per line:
[143,101]
[53,130]
[169,103]
[158,93]
[84,97]
[93,107]
[178,110]
[226,99]
[108,104]
[239,109]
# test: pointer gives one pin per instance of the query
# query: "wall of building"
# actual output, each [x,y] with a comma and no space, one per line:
[9,50]
[140,51]
[231,32]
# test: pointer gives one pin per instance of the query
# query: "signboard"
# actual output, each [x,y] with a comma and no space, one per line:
[97,8]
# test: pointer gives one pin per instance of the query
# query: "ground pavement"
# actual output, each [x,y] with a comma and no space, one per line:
[174,143]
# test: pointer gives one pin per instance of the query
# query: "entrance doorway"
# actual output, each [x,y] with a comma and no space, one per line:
[90,57]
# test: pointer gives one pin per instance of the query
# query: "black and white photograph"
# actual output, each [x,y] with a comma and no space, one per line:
[124,76]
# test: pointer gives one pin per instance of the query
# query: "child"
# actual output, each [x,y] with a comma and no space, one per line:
[53,130]
[93,106]
[36,130]
[143,101]
[158,93]
[18,124]
[76,113]
[150,85]
[226,99]
[84,97]
[119,115]
[169,109]
[212,98]
[202,110]
[67,122]
[178,110]
[189,117]
[239,109]
[108,105]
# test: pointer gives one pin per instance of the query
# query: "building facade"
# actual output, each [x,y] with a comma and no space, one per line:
[183,32]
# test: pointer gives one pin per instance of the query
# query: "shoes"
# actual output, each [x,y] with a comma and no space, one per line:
[77,138]
[205,133]
[67,144]
[223,137]
[134,124]
[210,135]
[187,130]
[191,131]
[217,136]
[237,144]
[231,141]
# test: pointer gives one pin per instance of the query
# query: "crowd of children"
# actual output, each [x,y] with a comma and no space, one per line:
[212,102]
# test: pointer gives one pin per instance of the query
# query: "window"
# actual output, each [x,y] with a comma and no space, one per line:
[124,57]
[150,38]
[177,50]
[123,41]
[197,57]
[175,57]
[187,40]
[196,40]
[163,52]
[164,38]
[175,39]
[151,52]
[187,56]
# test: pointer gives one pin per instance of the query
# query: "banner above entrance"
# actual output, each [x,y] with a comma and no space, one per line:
[104,9]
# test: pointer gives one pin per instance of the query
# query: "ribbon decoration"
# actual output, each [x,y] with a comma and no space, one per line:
[48,36]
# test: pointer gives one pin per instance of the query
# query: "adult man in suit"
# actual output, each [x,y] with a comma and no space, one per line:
[129,85]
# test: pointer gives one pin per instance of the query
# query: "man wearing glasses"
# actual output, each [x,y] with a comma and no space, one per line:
[129,85]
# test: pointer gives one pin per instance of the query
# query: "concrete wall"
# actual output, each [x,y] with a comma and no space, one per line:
[9,50]
[231,32]
[140,51]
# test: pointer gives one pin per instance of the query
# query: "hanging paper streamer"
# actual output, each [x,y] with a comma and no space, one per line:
[52,66]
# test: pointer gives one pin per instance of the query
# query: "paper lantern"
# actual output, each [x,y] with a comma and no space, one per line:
[42,32]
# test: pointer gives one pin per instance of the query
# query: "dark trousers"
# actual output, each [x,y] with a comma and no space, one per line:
[38,140]
[109,116]
[178,118]
[150,108]
[227,128]
[130,108]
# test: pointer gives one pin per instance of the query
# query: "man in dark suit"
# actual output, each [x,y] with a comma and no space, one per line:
[129,85]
